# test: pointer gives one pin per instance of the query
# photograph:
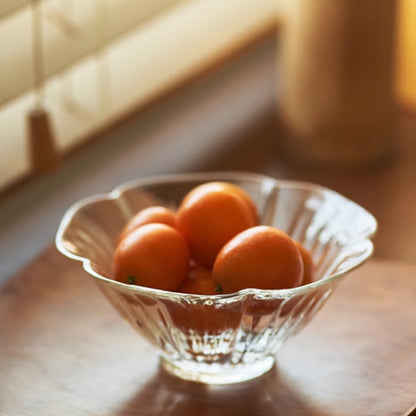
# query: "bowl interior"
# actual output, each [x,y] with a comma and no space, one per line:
[336,230]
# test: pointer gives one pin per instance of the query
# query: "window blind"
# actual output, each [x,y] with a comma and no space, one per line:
[105,58]
[100,59]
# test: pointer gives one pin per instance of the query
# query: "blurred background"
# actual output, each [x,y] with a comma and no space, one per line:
[96,93]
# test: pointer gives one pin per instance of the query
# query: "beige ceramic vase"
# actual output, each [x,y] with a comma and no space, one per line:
[337,68]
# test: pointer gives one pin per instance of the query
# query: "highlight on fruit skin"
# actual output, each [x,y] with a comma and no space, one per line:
[260,257]
[153,214]
[210,215]
[229,187]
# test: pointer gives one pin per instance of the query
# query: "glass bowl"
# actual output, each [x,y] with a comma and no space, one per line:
[231,337]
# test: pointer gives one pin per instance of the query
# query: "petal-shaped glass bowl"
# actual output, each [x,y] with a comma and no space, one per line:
[231,337]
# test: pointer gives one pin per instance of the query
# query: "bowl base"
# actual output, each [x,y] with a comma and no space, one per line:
[217,373]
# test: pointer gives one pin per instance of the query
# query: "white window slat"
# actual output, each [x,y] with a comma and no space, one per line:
[10,6]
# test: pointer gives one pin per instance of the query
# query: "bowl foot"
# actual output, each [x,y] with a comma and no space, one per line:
[214,373]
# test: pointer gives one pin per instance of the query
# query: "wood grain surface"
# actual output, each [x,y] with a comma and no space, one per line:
[65,351]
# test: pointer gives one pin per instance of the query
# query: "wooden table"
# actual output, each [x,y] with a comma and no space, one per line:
[65,351]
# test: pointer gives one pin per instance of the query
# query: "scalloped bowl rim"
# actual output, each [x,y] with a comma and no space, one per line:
[118,191]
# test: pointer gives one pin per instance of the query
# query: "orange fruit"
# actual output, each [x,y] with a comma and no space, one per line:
[152,255]
[307,277]
[153,214]
[308,265]
[210,215]
[263,307]
[199,282]
[244,196]
[260,257]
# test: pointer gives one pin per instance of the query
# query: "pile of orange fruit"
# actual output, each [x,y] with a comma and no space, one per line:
[212,244]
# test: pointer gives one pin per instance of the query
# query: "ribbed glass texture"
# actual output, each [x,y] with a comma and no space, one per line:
[232,337]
